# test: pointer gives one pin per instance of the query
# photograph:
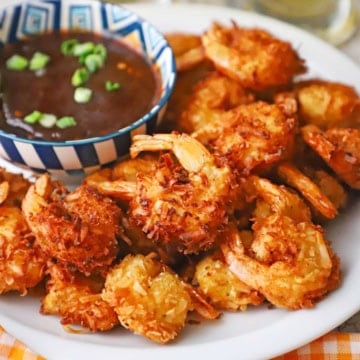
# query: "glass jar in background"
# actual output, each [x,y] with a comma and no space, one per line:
[333,20]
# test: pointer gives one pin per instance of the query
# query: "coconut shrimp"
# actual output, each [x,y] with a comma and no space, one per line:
[187,49]
[328,104]
[339,148]
[81,227]
[223,289]
[289,261]
[253,57]
[12,188]
[211,98]
[77,300]
[22,264]
[185,201]
[298,180]
[148,299]
[251,137]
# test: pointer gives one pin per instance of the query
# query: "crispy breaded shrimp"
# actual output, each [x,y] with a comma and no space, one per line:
[187,49]
[278,199]
[223,289]
[252,136]
[122,178]
[292,176]
[81,227]
[211,98]
[253,57]
[291,264]
[77,300]
[328,104]
[22,264]
[339,148]
[148,299]
[185,202]
[12,187]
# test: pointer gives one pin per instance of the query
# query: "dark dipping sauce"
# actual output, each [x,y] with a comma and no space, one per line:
[50,90]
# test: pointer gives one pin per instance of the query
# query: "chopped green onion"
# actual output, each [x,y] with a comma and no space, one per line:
[82,95]
[100,49]
[38,61]
[16,62]
[80,76]
[47,120]
[83,48]
[33,117]
[93,62]
[112,86]
[67,46]
[65,122]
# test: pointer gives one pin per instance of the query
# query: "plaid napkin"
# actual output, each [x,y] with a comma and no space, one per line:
[333,346]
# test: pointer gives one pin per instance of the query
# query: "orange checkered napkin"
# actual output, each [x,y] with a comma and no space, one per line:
[333,346]
[13,349]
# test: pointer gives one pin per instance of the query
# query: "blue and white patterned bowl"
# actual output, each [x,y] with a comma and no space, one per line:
[76,158]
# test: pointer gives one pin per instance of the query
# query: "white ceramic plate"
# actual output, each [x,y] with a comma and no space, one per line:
[258,333]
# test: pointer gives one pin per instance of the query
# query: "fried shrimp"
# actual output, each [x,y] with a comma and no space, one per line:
[328,104]
[12,188]
[298,180]
[289,260]
[211,98]
[290,264]
[339,148]
[223,289]
[81,227]
[77,300]
[252,136]
[253,57]
[148,299]
[22,264]
[184,202]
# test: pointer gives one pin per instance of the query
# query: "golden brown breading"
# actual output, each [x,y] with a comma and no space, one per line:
[254,57]
[22,264]
[76,299]
[148,299]
[81,227]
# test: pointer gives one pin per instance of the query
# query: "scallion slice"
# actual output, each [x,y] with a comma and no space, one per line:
[67,46]
[38,61]
[33,117]
[65,122]
[16,62]
[111,86]
[82,95]
[93,62]
[47,120]
[83,48]
[80,76]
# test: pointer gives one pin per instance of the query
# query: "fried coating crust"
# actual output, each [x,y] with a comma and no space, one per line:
[81,228]
[76,300]
[289,260]
[13,188]
[298,180]
[185,201]
[328,104]
[148,299]
[252,136]
[223,289]
[22,264]
[253,57]
[211,98]
[339,148]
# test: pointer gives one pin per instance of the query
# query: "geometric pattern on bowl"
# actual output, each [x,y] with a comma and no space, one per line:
[23,18]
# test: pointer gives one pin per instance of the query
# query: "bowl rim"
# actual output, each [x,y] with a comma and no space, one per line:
[154,111]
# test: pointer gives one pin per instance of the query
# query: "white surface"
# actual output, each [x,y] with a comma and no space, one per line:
[259,333]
